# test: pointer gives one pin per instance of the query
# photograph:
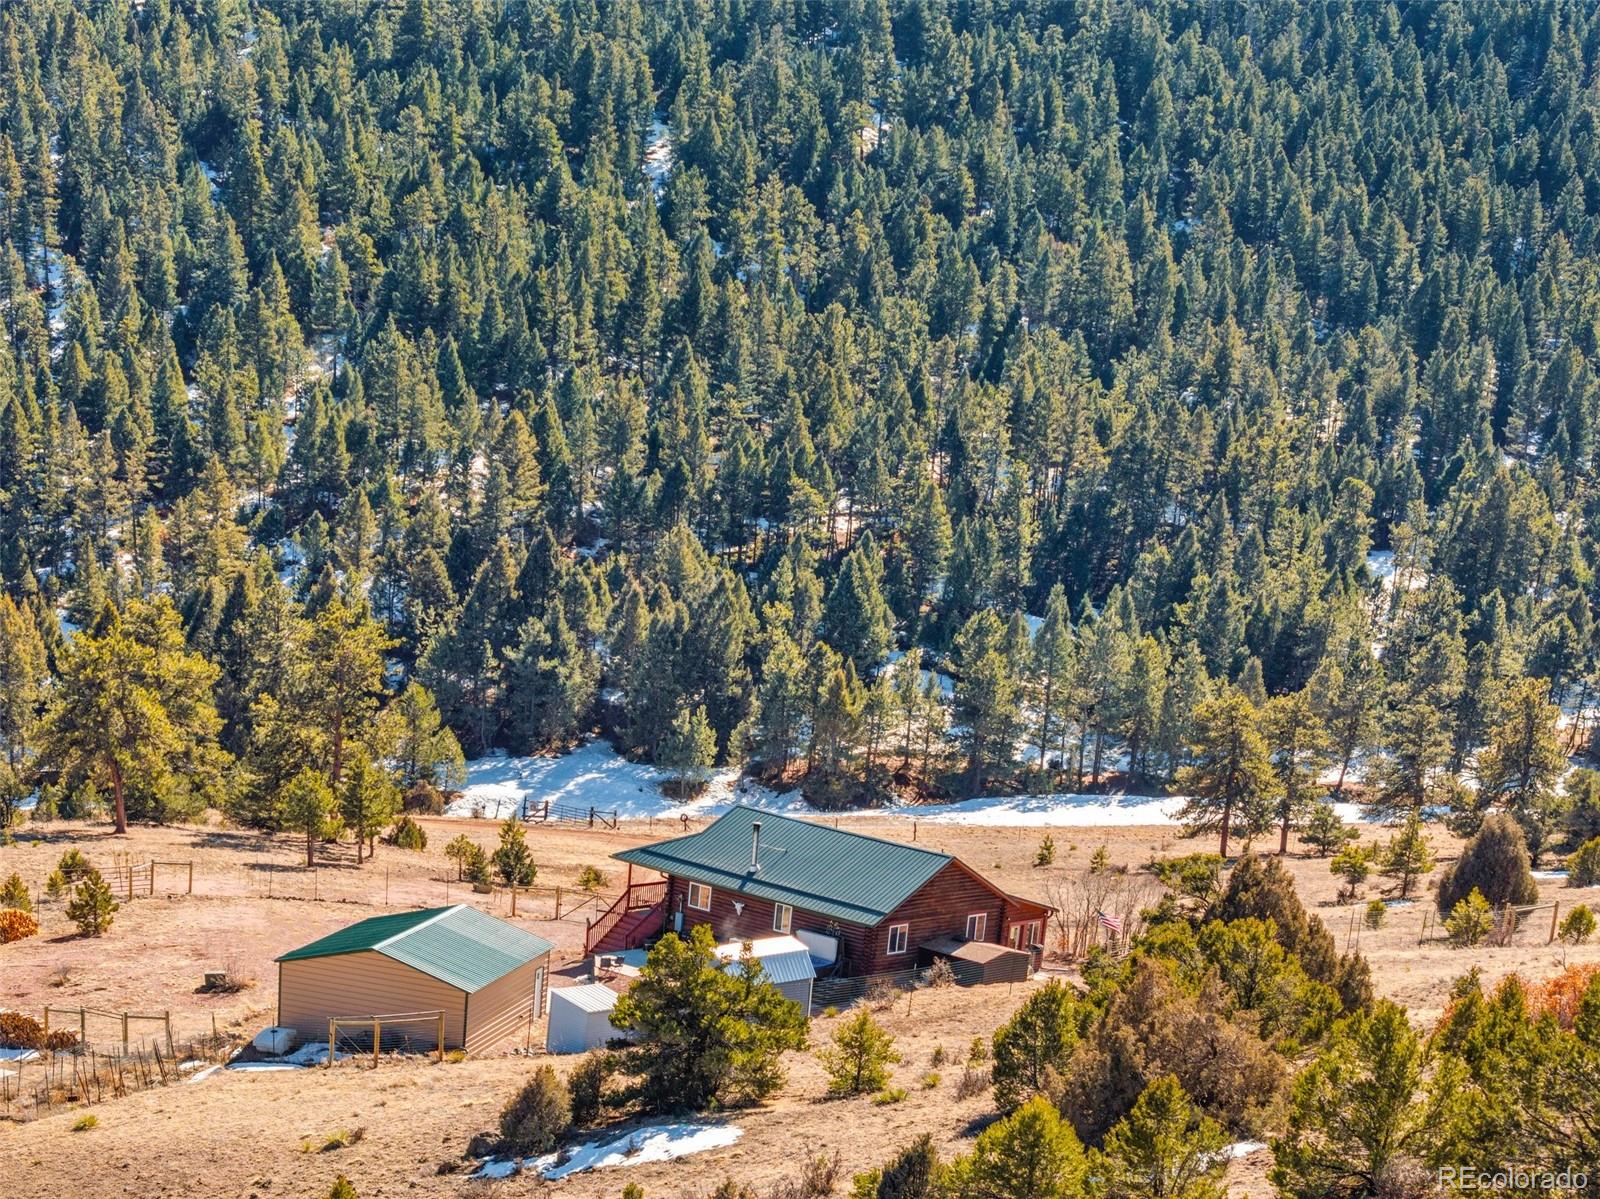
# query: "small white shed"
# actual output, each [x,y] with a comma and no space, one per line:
[785,962]
[580,1018]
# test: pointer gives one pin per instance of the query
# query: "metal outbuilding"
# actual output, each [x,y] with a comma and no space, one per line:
[785,963]
[580,1018]
[486,976]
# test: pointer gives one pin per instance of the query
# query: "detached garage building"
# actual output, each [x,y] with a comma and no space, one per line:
[488,977]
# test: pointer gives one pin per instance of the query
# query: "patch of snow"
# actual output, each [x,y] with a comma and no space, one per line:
[658,156]
[1242,1149]
[1068,811]
[312,1053]
[1550,875]
[201,1075]
[652,1143]
[595,775]
[18,1055]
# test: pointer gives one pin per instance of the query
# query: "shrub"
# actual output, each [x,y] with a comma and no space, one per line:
[16,924]
[913,1174]
[941,973]
[477,870]
[512,861]
[85,1123]
[14,894]
[1047,851]
[538,1116]
[55,884]
[1099,861]
[1034,1044]
[92,906]
[974,1080]
[1324,831]
[938,1056]
[586,1087]
[1495,864]
[892,1095]
[408,834]
[341,1189]
[930,1080]
[1583,868]
[1470,920]
[1353,863]
[591,879]
[422,796]
[1578,927]
[460,852]
[1376,911]
[860,1056]
[73,865]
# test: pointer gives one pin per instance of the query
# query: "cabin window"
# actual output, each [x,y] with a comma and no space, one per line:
[899,934]
[977,926]
[1024,935]
[700,897]
[782,916]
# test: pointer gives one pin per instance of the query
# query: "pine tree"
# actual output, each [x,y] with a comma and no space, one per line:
[1407,856]
[858,1060]
[1232,782]
[368,799]
[1523,763]
[1297,741]
[512,861]
[92,905]
[133,707]
[308,805]
[1165,1146]
[688,752]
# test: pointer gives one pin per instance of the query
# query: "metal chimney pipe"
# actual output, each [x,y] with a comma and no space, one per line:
[755,846]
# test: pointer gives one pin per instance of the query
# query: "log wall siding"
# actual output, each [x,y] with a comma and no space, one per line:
[504,1008]
[313,990]
[755,921]
[939,908]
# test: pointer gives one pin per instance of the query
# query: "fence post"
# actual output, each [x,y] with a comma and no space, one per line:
[558,904]
[591,817]
[1554,912]
[47,1023]
[124,1032]
[332,1032]
[167,1019]
[377,1042]
[191,877]
[441,1038]
[385,886]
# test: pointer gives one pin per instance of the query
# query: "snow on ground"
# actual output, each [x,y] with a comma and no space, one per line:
[1243,1148]
[312,1053]
[1069,811]
[652,1143]
[658,155]
[595,775]
[18,1055]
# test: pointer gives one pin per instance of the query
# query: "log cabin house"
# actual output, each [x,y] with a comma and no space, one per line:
[869,905]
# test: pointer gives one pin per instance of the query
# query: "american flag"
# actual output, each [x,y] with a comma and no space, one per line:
[1110,922]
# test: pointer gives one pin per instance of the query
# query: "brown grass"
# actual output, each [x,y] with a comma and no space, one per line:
[238,1133]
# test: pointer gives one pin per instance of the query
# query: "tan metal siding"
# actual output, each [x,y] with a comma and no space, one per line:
[313,990]
[505,1006]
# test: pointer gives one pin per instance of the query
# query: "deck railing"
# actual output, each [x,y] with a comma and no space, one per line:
[636,898]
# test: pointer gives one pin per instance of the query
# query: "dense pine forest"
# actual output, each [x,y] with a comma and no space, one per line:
[894,398]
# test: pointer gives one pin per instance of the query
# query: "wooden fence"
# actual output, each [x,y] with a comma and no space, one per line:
[547,812]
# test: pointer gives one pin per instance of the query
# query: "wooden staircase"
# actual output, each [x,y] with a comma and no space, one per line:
[638,914]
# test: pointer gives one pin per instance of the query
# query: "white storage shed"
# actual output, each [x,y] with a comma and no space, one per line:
[580,1018]
[785,962]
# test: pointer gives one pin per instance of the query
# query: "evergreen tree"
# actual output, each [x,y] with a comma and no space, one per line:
[1232,783]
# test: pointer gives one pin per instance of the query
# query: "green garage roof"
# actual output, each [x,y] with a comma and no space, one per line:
[459,945]
[815,867]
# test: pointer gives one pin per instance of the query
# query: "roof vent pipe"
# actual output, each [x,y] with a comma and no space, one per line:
[755,846]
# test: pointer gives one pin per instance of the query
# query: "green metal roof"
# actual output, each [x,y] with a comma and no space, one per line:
[815,867]
[460,946]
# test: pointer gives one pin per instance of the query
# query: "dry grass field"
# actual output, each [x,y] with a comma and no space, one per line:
[263,1133]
